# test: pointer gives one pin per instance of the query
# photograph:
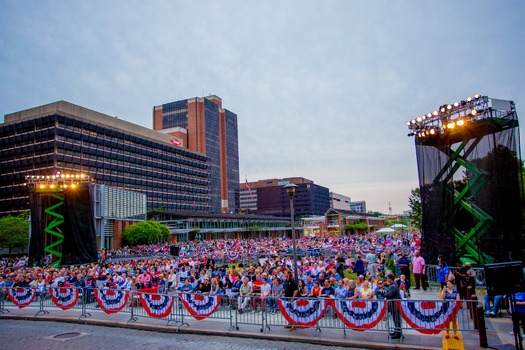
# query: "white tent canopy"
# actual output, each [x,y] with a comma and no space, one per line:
[386,230]
[398,226]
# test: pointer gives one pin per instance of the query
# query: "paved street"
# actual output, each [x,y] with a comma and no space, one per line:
[19,335]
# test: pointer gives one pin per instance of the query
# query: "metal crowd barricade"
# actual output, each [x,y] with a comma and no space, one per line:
[424,316]
[430,316]
[432,275]
[138,309]
[64,297]
[194,303]
[3,297]
[254,313]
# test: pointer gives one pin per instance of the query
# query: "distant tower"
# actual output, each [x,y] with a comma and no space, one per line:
[389,208]
[202,125]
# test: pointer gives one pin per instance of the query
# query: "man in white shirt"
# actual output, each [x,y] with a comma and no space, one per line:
[265,293]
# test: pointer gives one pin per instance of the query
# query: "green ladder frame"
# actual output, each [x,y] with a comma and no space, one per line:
[51,230]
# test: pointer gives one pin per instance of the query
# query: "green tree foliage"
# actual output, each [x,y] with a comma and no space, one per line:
[359,227]
[145,232]
[414,202]
[14,231]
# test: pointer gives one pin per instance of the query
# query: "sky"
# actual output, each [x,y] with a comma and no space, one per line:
[322,89]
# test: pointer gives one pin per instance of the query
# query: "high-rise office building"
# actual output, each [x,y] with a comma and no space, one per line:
[68,138]
[200,124]
[268,197]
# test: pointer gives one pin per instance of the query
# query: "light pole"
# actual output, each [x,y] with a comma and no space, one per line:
[290,189]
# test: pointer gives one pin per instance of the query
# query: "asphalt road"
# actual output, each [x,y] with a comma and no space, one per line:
[20,334]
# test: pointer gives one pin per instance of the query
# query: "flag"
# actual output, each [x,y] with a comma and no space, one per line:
[248,187]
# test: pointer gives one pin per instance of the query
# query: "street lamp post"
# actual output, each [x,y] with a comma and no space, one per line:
[290,189]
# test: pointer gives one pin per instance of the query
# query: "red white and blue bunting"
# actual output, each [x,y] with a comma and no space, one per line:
[157,305]
[303,312]
[200,306]
[429,317]
[64,298]
[111,301]
[21,297]
[234,255]
[360,315]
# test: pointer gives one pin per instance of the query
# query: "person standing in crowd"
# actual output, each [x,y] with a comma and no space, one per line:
[340,265]
[519,299]
[404,267]
[443,272]
[371,260]
[418,265]
[392,293]
[290,291]
[359,266]
[451,294]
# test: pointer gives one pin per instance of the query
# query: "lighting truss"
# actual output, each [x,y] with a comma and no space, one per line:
[56,182]
[456,115]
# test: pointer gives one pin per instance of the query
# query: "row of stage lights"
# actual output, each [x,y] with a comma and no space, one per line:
[447,116]
[56,182]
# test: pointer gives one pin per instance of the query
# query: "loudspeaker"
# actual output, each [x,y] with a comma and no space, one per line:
[174,250]
[504,278]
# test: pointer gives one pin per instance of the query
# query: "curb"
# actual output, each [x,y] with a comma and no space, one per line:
[251,335]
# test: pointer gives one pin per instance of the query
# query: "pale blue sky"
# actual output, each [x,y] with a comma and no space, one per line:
[322,89]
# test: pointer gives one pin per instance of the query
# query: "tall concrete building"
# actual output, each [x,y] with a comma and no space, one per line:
[72,139]
[201,125]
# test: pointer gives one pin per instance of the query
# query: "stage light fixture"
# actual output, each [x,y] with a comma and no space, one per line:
[432,131]
[456,104]
[476,96]
[73,186]
[460,122]
[435,113]
[42,186]
[408,123]
[474,112]
[469,99]
[418,119]
[449,107]
[442,109]
[451,125]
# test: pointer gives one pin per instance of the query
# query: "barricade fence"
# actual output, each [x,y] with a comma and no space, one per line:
[423,316]
[432,275]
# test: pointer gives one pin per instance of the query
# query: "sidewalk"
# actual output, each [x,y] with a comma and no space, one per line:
[497,329]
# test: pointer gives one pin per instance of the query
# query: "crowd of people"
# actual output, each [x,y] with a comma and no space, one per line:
[256,272]
[372,257]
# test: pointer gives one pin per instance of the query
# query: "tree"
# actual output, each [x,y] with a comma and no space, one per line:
[14,231]
[414,202]
[145,232]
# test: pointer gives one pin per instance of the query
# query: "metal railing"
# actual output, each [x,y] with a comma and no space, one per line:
[381,316]
[432,275]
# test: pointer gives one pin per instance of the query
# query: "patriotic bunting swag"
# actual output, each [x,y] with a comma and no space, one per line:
[156,305]
[429,317]
[234,256]
[64,298]
[21,297]
[111,301]
[359,315]
[200,306]
[303,312]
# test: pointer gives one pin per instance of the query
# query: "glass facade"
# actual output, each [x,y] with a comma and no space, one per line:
[172,178]
[232,159]
[175,114]
[213,150]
